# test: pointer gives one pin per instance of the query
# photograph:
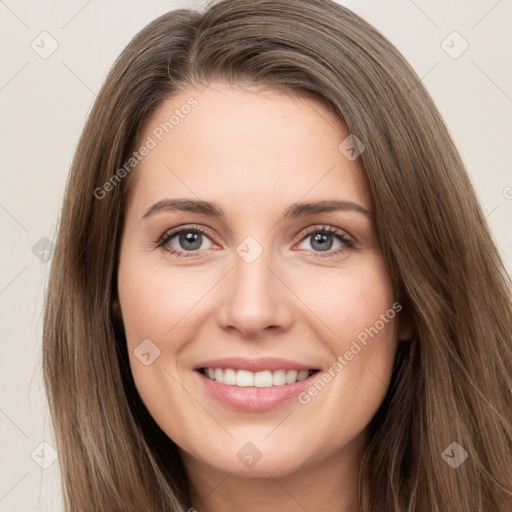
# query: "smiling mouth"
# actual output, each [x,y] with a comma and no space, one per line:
[262,379]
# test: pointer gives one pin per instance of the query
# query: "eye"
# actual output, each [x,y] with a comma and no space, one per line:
[189,239]
[322,241]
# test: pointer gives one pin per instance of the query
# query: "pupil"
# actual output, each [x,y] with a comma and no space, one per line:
[190,238]
[323,241]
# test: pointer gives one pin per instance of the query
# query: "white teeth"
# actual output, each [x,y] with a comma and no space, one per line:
[263,379]
[291,376]
[278,378]
[229,377]
[243,378]
[303,375]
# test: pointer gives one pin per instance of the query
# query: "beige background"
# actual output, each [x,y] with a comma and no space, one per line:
[43,105]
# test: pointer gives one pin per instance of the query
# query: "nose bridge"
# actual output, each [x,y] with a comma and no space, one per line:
[255,297]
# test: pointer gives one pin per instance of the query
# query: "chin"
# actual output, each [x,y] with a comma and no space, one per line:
[256,459]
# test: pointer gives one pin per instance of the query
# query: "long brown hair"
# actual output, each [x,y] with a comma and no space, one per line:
[451,384]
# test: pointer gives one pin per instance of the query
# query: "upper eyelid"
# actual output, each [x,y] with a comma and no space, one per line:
[171,233]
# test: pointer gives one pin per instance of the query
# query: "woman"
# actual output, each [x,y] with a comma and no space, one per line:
[260,368]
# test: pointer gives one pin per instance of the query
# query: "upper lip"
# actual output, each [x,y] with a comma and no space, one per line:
[255,365]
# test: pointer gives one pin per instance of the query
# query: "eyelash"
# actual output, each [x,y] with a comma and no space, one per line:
[341,235]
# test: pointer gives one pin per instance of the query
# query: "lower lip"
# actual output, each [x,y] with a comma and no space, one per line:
[251,398]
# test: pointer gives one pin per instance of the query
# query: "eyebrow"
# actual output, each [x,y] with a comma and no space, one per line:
[294,211]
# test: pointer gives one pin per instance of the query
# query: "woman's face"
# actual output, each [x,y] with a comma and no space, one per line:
[261,295]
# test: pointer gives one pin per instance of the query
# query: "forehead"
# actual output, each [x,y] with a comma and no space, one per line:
[245,145]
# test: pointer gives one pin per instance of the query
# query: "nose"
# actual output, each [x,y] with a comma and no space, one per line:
[255,299]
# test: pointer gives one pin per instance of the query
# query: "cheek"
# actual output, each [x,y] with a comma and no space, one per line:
[343,304]
[155,301]
[158,304]
[355,316]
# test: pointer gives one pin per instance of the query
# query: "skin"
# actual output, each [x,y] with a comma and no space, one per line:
[255,152]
